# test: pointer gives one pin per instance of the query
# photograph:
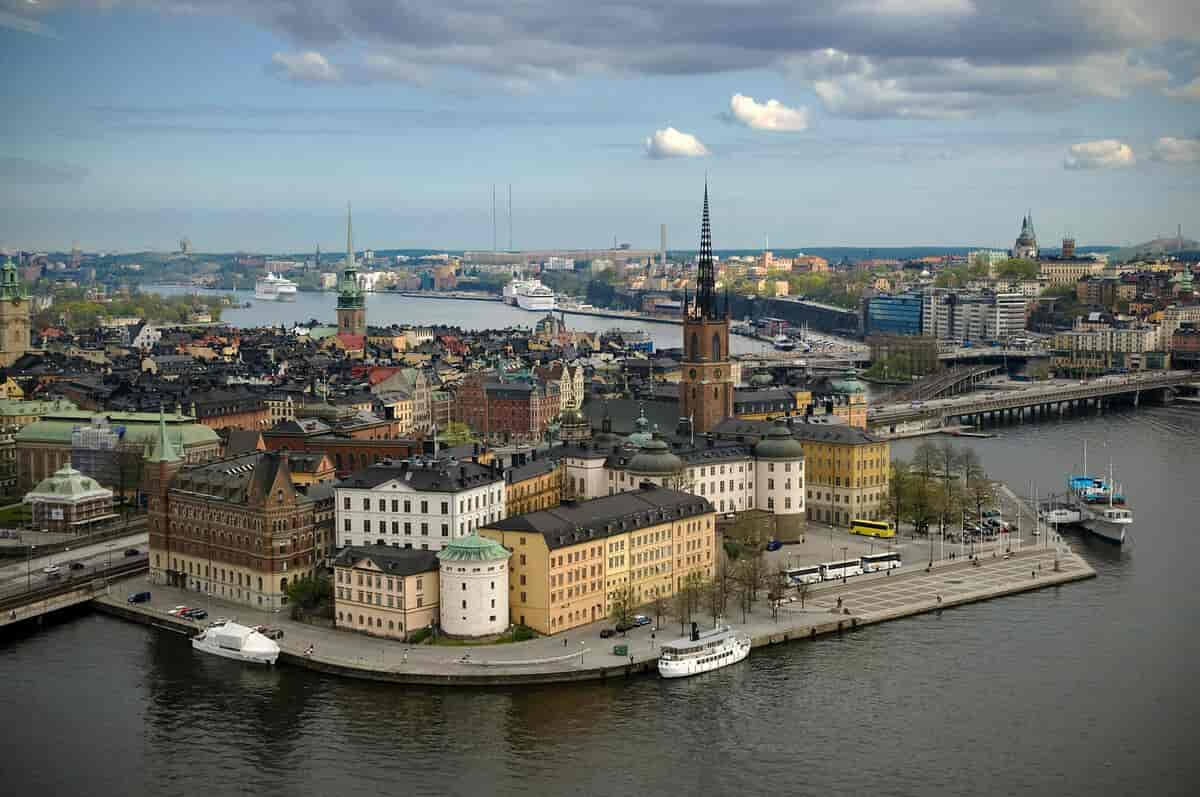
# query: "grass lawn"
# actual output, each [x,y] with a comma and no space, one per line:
[15,515]
[504,640]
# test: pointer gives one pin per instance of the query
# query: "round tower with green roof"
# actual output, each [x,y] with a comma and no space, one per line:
[473,579]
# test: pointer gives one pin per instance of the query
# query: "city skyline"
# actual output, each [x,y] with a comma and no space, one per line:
[873,123]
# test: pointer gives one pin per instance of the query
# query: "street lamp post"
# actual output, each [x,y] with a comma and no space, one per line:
[29,569]
[844,549]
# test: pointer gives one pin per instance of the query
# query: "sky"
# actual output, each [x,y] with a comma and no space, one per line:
[130,124]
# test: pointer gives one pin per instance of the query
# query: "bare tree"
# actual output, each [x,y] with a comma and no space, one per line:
[622,607]
[659,606]
[777,584]
[802,591]
[898,490]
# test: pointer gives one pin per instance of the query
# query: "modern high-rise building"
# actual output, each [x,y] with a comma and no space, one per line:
[706,389]
[351,304]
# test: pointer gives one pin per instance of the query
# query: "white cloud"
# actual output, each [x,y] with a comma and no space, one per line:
[306,67]
[912,8]
[773,115]
[956,88]
[1177,150]
[1107,153]
[672,143]
[1188,91]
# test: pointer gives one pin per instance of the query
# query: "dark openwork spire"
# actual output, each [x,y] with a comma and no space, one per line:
[706,294]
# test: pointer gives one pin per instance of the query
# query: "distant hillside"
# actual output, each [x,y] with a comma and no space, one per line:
[1153,248]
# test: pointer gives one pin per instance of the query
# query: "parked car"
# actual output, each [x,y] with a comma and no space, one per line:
[177,610]
[272,633]
[625,625]
[606,633]
[77,565]
[51,569]
[139,597]
[774,545]
[641,619]
[194,614]
[132,552]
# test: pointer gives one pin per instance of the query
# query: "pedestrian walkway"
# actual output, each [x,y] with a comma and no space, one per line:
[582,654]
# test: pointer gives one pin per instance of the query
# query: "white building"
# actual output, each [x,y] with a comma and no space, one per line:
[559,264]
[418,503]
[732,477]
[473,580]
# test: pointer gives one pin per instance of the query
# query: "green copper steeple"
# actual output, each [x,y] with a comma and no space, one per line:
[350,295]
[11,287]
[164,448]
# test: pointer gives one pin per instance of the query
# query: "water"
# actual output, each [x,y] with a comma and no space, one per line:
[1086,689]
[390,308]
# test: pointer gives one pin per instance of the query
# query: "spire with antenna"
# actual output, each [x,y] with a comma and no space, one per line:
[349,238]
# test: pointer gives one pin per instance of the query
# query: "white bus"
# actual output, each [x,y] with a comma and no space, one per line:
[874,562]
[803,575]
[832,571]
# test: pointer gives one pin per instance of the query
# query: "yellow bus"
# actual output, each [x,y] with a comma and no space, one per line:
[872,528]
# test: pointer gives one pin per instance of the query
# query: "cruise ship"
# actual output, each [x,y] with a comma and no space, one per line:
[530,294]
[703,651]
[234,641]
[273,288]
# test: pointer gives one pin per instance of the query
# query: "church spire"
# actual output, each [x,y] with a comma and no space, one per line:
[706,300]
[164,449]
[349,238]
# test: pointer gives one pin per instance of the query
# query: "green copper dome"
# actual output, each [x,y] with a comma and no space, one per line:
[655,459]
[779,444]
[67,482]
[848,384]
[473,548]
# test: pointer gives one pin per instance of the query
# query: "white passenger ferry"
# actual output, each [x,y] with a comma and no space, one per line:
[234,641]
[702,651]
[274,288]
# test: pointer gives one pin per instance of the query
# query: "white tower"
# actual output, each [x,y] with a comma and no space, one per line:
[474,587]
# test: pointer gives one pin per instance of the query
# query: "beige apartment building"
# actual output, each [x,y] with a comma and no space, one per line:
[385,591]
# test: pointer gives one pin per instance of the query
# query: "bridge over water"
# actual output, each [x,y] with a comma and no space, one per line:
[40,601]
[1038,400]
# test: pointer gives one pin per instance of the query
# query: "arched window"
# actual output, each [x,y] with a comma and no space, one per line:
[716,347]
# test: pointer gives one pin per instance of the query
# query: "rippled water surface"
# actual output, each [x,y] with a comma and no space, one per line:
[1085,689]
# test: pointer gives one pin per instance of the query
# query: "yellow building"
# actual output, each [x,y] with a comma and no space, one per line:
[569,563]
[9,389]
[847,471]
[533,486]
[388,592]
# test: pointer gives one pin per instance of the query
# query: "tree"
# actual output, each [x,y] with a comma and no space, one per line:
[456,433]
[899,482]
[777,584]
[685,601]
[978,486]
[659,606]
[622,608]
[949,459]
[924,465]
[308,593]
[1018,268]
[802,591]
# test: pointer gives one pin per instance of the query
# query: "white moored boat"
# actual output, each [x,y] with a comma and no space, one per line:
[702,651]
[531,294]
[274,288]
[234,641]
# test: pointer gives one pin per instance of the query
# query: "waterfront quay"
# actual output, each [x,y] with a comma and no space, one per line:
[581,654]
